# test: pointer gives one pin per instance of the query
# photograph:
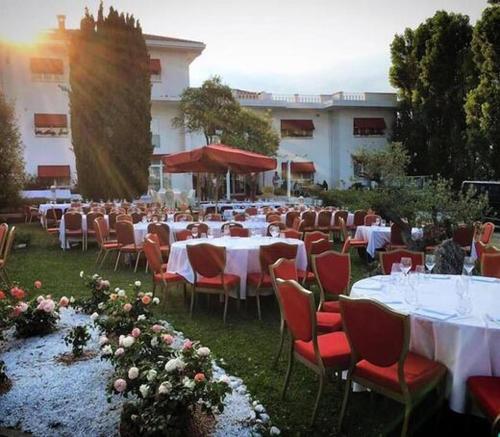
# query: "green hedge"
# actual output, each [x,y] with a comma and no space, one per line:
[350,199]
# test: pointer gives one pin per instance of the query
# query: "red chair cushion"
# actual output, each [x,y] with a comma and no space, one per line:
[309,276]
[486,391]
[359,243]
[418,371]
[167,277]
[111,245]
[333,348]
[215,282]
[328,322]
[74,232]
[130,248]
[254,279]
[331,306]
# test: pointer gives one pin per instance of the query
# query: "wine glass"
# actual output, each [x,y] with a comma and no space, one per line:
[227,232]
[274,231]
[430,262]
[210,233]
[469,265]
[464,301]
[405,264]
[194,231]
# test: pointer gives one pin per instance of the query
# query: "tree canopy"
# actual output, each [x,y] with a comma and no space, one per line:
[110,101]
[11,151]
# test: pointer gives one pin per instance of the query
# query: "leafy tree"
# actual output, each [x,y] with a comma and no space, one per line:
[110,101]
[11,151]
[483,102]
[431,68]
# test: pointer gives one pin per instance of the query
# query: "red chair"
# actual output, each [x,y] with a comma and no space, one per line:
[239,232]
[292,233]
[333,274]
[287,270]
[209,263]
[4,257]
[268,255]
[183,234]
[278,224]
[152,250]
[163,232]
[73,229]
[137,216]
[126,239]
[387,259]
[320,246]
[356,243]
[240,217]
[123,218]
[337,217]
[490,265]
[381,361]
[273,217]
[309,237]
[91,216]
[324,221]
[487,230]
[485,391]
[319,353]
[464,236]
[358,219]
[251,211]
[201,227]
[309,221]
[4,230]
[346,247]
[482,248]
[213,217]
[182,217]
[396,241]
[105,246]
[290,218]
[370,219]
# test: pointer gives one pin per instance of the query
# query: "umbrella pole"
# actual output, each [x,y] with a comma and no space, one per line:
[198,187]
[228,185]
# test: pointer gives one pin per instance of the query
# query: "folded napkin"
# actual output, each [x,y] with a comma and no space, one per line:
[483,279]
[434,314]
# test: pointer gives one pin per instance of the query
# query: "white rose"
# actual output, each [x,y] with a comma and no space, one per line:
[144,389]
[95,276]
[133,373]
[81,274]
[274,431]
[137,283]
[165,388]
[107,350]
[117,289]
[156,301]
[103,340]
[149,294]
[94,317]
[128,341]
[105,283]
[121,293]
[40,299]
[119,351]
[72,299]
[120,340]
[101,305]
[188,383]
[152,375]
[203,351]
[154,341]
[174,364]
[141,317]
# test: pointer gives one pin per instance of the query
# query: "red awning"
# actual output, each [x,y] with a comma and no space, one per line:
[154,66]
[299,167]
[46,66]
[218,158]
[369,123]
[54,171]
[297,125]
[51,120]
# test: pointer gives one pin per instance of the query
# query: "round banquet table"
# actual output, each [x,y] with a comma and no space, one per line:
[141,228]
[379,236]
[467,345]
[242,256]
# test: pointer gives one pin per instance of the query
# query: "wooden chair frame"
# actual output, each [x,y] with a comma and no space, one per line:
[5,256]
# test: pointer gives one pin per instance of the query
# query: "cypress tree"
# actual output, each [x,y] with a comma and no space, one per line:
[110,101]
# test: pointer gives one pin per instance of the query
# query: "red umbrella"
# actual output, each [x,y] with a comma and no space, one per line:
[217,158]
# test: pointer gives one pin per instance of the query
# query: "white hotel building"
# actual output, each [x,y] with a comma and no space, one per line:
[318,133]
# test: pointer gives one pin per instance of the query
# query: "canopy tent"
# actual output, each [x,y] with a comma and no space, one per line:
[217,158]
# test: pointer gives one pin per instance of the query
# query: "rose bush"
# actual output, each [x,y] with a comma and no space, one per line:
[99,293]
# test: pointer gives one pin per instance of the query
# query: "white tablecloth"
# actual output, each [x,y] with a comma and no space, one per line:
[44,207]
[379,236]
[242,256]
[62,229]
[141,228]
[466,345]
[350,219]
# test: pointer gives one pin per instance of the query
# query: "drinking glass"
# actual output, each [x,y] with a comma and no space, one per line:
[274,231]
[430,262]
[405,264]
[194,232]
[377,221]
[469,265]
[227,232]
[383,223]
[210,233]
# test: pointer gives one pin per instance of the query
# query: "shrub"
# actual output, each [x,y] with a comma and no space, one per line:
[77,338]
[99,293]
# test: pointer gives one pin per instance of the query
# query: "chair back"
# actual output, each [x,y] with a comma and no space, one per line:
[490,265]
[396,237]
[346,247]
[333,272]
[292,233]
[273,217]
[202,227]
[285,269]
[324,219]
[487,232]
[206,259]
[370,219]
[137,216]
[290,218]
[375,332]
[235,231]
[91,216]
[8,245]
[309,237]
[213,217]
[54,214]
[271,253]
[182,217]
[162,231]
[230,225]
[338,215]
[463,235]
[309,218]
[387,259]
[278,224]
[359,217]
[125,232]
[298,309]
[123,218]
[4,231]
[240,217]
[183,235]
[320,246]
[251,211]
[98,230]
[73,221]
[152,251]
[343,229]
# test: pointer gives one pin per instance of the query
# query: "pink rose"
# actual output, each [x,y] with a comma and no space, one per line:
[120,385]
[22,306]
[199,377]
[64,302]
[127,307]
[119,351]
[167,338]
[156,328]
[146,300]
[38,284]
[188,344]
[136,332]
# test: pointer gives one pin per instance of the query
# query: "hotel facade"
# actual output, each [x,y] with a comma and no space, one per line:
[318,133]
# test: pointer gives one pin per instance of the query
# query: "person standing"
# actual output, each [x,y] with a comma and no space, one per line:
[276,181]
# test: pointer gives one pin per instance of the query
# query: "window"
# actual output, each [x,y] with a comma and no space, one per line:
[300,171]
[369,127]
[297,128]
[58,174]
[155,70]
[50,125]
[47,69]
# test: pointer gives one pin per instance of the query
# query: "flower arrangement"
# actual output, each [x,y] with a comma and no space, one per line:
[99,293]
[77,338]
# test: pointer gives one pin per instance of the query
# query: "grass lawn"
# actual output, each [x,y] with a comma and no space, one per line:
[245,344]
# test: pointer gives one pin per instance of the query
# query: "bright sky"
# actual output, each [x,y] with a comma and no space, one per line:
[281,46]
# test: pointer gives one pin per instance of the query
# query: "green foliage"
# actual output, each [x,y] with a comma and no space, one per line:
[110,100]
[77,338]
[99,293]
[483,102]
[35,320]
[11,151]
[432,71]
